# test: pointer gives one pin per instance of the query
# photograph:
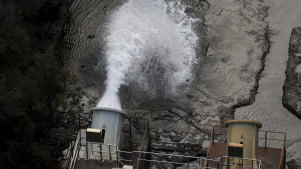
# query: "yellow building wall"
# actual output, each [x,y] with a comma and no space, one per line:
[247,133]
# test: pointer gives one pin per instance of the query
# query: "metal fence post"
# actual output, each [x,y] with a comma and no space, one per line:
[228,162]
[117,164]
[130,133]
[218,163]
[132,158]
[87,152]
[110,153]
[100,148]
[213,135]
[187,163]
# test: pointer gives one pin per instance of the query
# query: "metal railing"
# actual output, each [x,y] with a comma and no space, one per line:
[274,137]
[266,139]
[219,134]
[185,160]
[134,125]
[75,155]
[276,140]
[241,162]
[72,146]
[114,155]
[137,124]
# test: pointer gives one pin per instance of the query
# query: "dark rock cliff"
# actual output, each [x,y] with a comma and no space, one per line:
[292,86]
[32,82]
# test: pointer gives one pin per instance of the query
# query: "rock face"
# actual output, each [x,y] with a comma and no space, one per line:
[226,77]
[292,86]
[50,20]
[233,44]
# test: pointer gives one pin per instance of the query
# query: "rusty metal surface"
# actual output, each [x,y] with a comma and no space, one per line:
[216,150]
[270,157]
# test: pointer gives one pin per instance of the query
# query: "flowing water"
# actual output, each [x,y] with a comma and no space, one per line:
[137,33]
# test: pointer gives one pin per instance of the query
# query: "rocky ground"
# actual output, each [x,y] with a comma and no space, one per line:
[233,44]
[292,89]
[268,106]
[234,41]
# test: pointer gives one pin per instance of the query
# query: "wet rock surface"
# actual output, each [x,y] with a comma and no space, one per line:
[233,44]
[292,86]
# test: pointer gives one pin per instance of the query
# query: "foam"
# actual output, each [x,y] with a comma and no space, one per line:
[143,26]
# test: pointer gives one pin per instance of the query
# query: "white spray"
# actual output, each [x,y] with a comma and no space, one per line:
[143,25]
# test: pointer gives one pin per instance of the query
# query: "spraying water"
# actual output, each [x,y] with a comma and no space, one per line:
[141,29]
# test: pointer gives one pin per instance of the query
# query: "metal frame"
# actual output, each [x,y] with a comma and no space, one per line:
[266,139]
[75,145]
[119,159]
[75,148]
[227,163]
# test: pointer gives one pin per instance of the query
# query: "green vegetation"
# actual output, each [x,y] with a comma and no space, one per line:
[34,90]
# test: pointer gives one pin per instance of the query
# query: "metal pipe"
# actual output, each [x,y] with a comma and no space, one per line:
[188,163]
[110,153]
[100,148]
[117,164]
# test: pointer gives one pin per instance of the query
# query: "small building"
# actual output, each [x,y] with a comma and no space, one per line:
[115,140]
[99,146]
[242,145]
[242,142]
[109,121]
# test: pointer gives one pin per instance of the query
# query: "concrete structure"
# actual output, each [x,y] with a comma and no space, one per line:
[241,145]
[242,141]
[88,151]
[109,122]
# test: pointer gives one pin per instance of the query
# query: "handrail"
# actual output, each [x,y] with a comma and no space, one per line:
[202,161]
[282,152]
[227,163]
[146,131]
[75,157]
[269,131]
[266,137]
[210,144]
[72,144]
[140,158]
